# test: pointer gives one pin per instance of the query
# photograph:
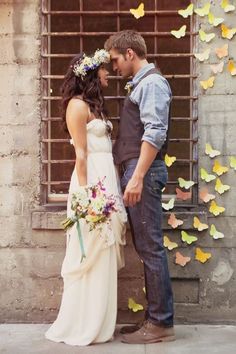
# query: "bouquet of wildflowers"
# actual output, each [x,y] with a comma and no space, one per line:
[93,204]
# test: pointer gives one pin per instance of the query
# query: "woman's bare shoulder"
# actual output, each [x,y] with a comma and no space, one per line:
[77,108]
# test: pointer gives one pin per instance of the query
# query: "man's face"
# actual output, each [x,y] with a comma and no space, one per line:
[121,63]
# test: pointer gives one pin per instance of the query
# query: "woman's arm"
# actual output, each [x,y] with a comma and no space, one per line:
[76,119]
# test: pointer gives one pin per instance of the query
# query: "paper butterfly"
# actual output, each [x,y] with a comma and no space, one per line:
[181,260]
[210,151]
[132,305]
[169,160]
[174,222]
[169,244]
[179,33]
[222,51]
[227,32]
[202,256]
[215,21]
[197,224]
[205,176]
[226,6]
[186,12]
[208,83]
[139,12]
[203,56]
[215,234]
[206,37]
[220,187]
[231,68]
[169,205]
[232,161]
[217,68]
[185,184]
[215,209]
[218,169]
[183,195]
[203,11]
[188,238]
[205,196]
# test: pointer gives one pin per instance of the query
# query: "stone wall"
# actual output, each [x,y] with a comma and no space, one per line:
[31,245]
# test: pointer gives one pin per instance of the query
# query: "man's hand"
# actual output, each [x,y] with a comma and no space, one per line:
[133,191]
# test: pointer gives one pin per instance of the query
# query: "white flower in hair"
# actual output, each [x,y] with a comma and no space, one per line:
[81,68]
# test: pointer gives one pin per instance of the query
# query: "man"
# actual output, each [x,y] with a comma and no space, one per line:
[139,150]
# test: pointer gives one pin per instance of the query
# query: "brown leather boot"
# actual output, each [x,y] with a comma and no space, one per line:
[149,333]
[131,328]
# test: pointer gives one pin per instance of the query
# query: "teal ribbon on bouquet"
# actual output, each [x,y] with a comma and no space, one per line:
[68,223]
[80,241]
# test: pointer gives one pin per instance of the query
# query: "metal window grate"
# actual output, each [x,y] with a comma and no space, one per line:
[80,26]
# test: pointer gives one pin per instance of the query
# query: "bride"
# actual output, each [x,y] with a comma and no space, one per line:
[89,302]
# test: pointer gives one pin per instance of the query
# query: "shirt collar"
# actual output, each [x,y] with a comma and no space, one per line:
[137,77]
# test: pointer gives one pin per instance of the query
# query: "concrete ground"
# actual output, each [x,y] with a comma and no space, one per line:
[194,339]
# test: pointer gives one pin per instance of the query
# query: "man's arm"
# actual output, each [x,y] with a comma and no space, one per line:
[133,191]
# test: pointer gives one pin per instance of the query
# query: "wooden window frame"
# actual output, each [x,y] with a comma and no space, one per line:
[46,196]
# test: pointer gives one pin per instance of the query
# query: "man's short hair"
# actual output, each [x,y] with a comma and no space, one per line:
[123,40]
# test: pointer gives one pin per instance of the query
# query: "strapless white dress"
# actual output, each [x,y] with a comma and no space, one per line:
[89,302]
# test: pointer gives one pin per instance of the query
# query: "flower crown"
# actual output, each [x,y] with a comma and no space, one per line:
[81,67]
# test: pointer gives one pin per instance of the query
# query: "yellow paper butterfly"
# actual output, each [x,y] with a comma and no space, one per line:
[169,160]
[139,12]
[197,224]
[222,51]
[218,169]
[220,187]
[179,33]
[205,176]
[169,244]
[189,239]
[204,55]
[169,205]
[202,256]
[209,83]
[215,234]
[203,11]
[132,305]
[206,37]
[215,21]
[185,184]
[186,12]
[210,151]
[215,209]
[232,161]
[226,6]
[231,68]
[217,68]
[227,32]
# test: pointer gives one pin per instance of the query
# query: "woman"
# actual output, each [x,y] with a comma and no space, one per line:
[89,301]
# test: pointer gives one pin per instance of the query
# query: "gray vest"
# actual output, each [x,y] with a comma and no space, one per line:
[131,129]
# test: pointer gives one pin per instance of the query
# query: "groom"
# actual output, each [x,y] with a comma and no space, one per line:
[139,150]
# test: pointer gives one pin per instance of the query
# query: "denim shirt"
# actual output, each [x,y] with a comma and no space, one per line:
[153,97]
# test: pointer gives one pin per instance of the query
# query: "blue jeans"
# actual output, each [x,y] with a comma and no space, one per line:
[146,225]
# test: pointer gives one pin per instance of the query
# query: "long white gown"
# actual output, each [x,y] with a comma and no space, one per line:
[89,301]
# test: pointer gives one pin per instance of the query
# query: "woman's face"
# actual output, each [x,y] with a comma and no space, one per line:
[103,76]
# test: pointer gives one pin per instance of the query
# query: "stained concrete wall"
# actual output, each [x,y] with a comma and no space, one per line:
[31,246]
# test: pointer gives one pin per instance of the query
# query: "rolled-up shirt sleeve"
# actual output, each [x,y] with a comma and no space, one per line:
[153,98]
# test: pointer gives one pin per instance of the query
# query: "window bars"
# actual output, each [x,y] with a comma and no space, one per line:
[72,27]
